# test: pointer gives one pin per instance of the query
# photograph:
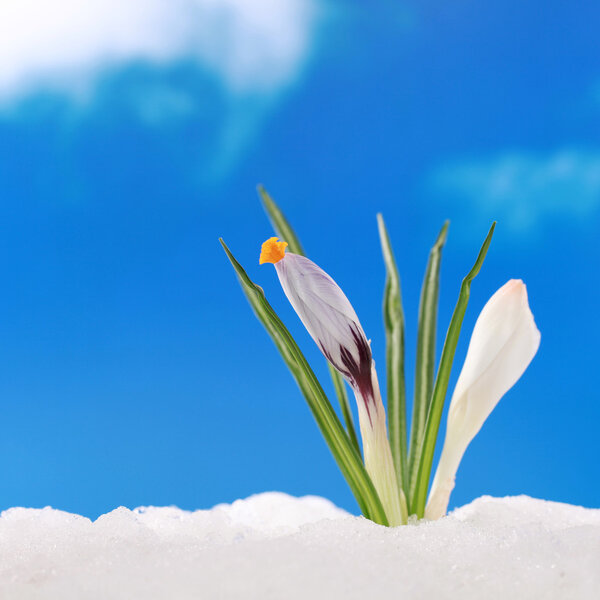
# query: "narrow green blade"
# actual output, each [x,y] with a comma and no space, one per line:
[280,224]
[340,392]
[441,381]
[344,453]
[425,369]
[284,230]
[393,317]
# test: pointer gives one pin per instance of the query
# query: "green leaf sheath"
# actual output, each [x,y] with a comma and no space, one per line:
[284,230]
[344,453]
[425,368]
[393,317]
[441,382]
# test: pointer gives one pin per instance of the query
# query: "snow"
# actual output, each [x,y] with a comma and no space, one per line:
[274,546]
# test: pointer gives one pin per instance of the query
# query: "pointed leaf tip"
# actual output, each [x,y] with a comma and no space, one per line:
[443,232]
[281,225]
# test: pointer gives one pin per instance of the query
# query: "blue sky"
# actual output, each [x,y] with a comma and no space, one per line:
[134,371]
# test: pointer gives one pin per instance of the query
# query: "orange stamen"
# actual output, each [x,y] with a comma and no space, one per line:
[272,251]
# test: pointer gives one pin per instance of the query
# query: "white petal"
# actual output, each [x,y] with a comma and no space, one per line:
[331,321]
[309,278]
[378,457]
[326,313]
[504,341]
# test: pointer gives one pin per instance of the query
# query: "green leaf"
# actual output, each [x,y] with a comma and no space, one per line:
[340,391]
[441,382]
[280,224]
[284,230]
[425,369]
[393,317]
[344,453]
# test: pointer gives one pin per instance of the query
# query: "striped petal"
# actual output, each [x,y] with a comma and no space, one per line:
[329,318]
[504,341]
[333,324]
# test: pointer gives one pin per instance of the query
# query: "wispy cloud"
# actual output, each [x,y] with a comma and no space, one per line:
[236,56]
[256,45]
[523,188]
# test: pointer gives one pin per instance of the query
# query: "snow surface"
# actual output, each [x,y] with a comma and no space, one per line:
[274,546]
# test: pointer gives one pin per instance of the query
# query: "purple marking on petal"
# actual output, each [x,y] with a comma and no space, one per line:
[331,321]
[357,374]
[360,372]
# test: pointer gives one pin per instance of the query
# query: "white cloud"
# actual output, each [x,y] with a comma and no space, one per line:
[217,66]
[254,46]
[523,188]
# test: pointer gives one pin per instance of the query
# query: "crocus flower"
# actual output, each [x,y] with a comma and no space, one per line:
[332,323]
[504,342]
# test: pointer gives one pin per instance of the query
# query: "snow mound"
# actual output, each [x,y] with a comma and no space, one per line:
[274,546]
